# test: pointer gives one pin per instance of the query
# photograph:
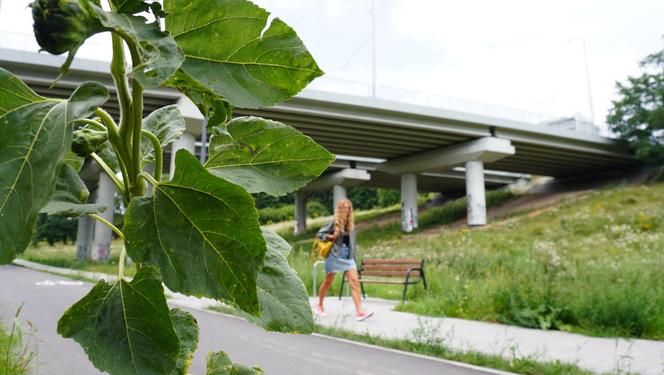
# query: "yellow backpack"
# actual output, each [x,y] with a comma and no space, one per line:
[321,246]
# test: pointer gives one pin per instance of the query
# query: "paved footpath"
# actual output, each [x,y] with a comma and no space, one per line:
[46,296]
[601,355]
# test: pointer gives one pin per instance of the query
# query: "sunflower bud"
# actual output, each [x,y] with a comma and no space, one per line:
[62,25]
[87,141]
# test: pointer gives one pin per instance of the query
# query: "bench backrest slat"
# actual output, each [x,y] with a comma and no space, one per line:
[391,261]
[389,273]
[390,267]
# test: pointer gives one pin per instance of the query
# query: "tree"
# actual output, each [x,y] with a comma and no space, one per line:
[197,233]
[638,115]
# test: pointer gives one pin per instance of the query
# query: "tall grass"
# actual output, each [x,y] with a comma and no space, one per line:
[594,265]
[16,352]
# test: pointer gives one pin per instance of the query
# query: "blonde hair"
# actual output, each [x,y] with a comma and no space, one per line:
[343,220]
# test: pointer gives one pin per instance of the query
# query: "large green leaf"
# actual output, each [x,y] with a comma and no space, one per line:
[160,55]
[167,124]
[219,364]
[214,107]
[283,297]
[71,196]
[14,93]
[247,64]
[34,139]
[266,156]
[203,233]
[130,6]
[186,328]
[125,327]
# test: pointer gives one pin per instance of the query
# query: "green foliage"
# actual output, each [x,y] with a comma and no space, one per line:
[186,329]
[280,291]
[167,124]
[591,266]
[16,354]
[70,196]
[638,115]
[128,320]
[34,152]
[225,258]
[457,209]
[200,230]
[14,93]
[363,198]
[219,364]
[269,215]
[253,67]
[266,156]
[160,56]
[388,197]
[54,229]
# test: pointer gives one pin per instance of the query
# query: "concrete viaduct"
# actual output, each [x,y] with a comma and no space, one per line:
[378,143]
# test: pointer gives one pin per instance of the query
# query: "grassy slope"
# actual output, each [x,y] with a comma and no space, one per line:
[593,265]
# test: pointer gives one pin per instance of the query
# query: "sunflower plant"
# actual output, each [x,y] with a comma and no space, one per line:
[196,232]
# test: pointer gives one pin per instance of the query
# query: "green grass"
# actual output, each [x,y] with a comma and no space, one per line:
[61,255]
[435,347]
[593,265]
[16,353]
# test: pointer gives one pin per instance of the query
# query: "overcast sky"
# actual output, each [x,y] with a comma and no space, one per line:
[526,55]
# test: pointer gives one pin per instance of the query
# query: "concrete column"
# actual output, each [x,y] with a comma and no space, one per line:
[102,236]
[475,193]
[84,238]
[188,142]
[300,212]
[408,202]
[338,193]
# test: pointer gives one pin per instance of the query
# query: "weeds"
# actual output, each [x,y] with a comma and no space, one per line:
[16,354]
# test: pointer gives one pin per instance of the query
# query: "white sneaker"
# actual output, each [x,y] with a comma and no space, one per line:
[320,312]
[363,315]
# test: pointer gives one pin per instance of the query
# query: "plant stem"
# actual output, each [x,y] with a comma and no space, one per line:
[150,179]
[118,146]
[121,262]
[136,185]
[108,224]
[93,123]
[118,71]
[119,184]
[117,231]
[158,153]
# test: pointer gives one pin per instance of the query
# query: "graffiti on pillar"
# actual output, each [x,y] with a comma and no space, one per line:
[103,252]
[476,211]
[407,220]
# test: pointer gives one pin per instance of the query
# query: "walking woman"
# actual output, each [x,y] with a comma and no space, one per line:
[342,256]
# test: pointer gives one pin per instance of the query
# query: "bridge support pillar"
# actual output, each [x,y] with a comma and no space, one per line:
[300,225]
[84,237]
[475,193]
[188,142]
[408,202]
[102,235]
[338,193]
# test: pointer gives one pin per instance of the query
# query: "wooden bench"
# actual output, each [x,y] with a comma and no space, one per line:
[390,271]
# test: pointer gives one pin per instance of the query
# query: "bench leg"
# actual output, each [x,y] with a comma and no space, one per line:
[364,295]
[341,290]
[405,289]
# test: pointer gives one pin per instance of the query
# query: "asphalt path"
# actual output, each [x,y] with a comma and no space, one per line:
[45,297]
